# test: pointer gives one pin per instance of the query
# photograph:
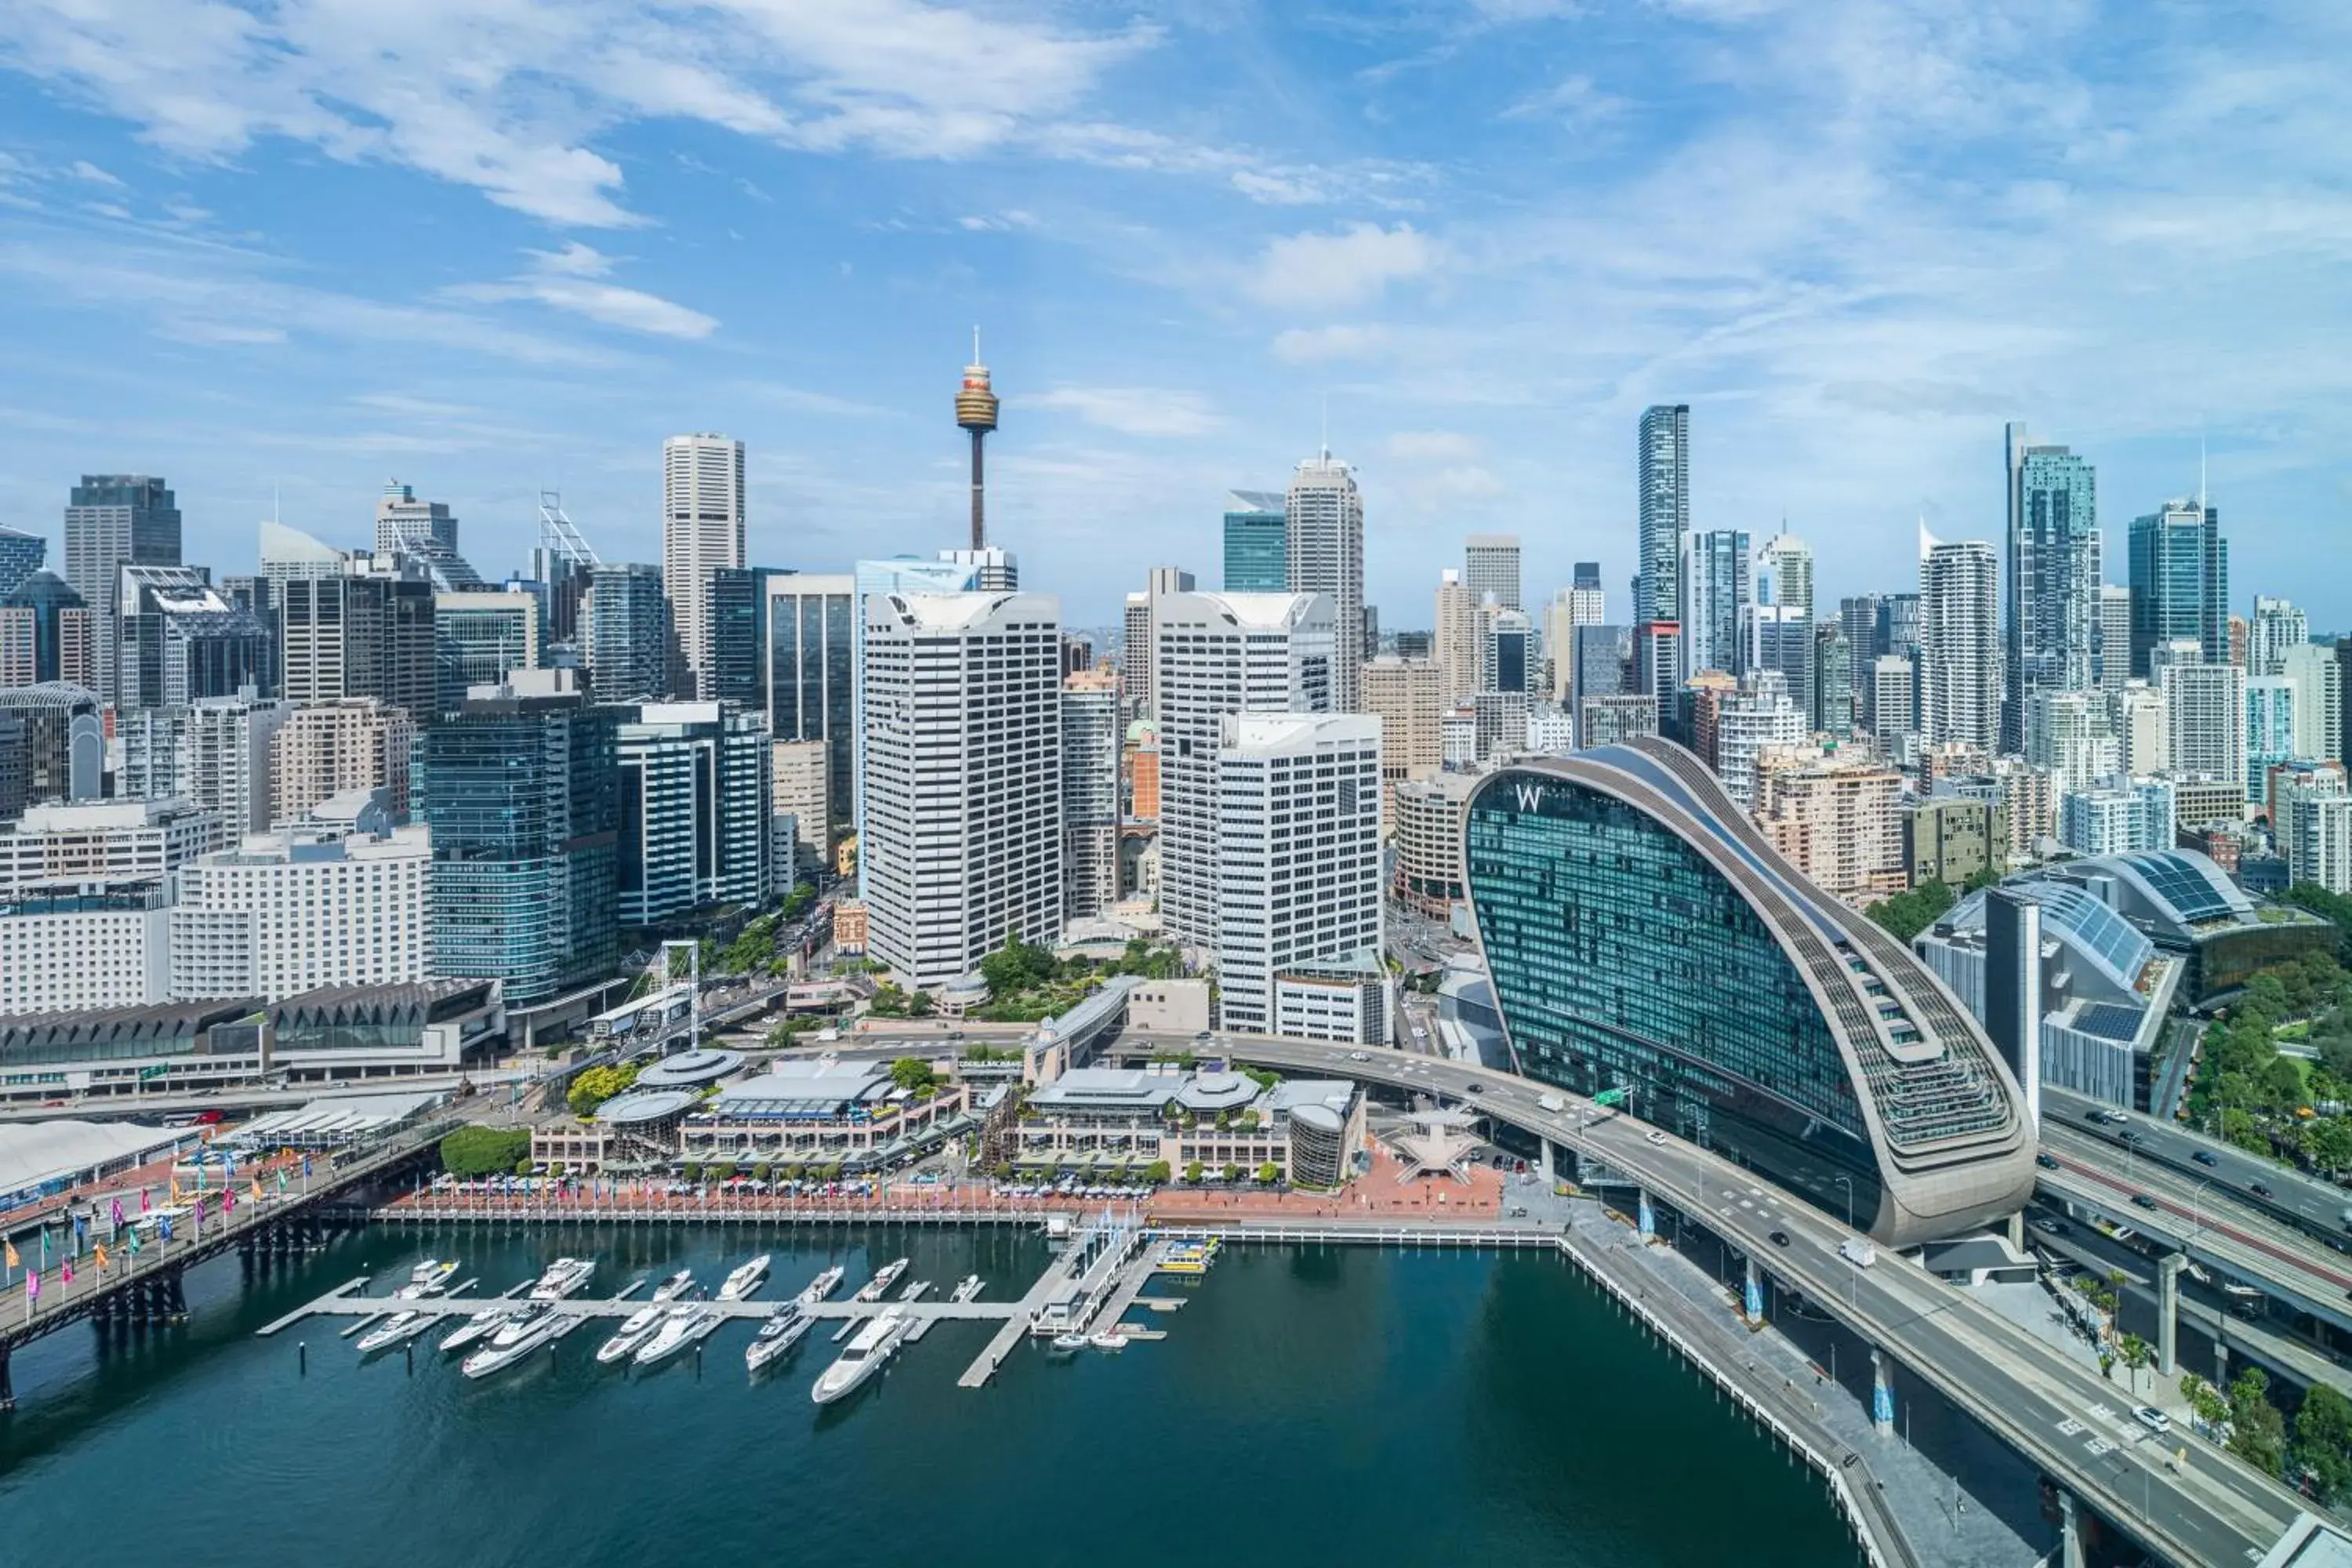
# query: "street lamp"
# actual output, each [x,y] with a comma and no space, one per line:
[1847,1182]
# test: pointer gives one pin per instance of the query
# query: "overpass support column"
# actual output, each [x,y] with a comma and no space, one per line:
[2070,1533]
[1646,1222]
[1752,1292]
[2167,1310]
[1544,1160]
[2017,1230]
[1882,1393]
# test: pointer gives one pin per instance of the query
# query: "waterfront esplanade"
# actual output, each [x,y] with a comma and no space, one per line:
[1643,935]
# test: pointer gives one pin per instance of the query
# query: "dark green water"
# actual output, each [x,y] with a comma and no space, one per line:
[1334,1405]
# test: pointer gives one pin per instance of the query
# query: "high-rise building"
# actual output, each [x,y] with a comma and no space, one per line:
[2130,814]
[367,631]
[1490,565]
[21,555]
[2136,718]
[801,783]
[1890,696]
[1091,733]
[1588,600]
[2111,650]
[1959,644]
[520,787]
[1218,655]
[2318,701]
[2053,574]
[1298,866]
[738,667]
[2270,730]
[303,910]
[694,799]
[2314,829]
[52,746]
[1759,716]
[1831,687]
[215,752]
[481,635]
[1719,595]
[113,521]
[1258,549]
[902,575]
[1784,574]
[1582,605]
[1456,642]
[1780,638]
[1506,650]
[991,571]
[2180,577]
[1614,720]
[1600,664]
[67,845]
[1135,652]
[176,639]
[1837,820]
[329,749]
[2205,718]
[47,633]
[2068,732]
[425,532]
[961,841]
[627,631]
[1663,476]
[1408,697]
[812,635]
[702,529]
[1658,659]
[1326,539]
[2277,626]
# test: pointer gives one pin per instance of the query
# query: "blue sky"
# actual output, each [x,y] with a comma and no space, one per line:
[492,247]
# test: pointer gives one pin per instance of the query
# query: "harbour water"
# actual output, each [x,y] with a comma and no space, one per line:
[1308,1404]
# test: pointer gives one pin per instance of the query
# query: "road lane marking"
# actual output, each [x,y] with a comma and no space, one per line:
[2070,1427]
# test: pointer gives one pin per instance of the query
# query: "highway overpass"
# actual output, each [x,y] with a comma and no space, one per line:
[2206,1507]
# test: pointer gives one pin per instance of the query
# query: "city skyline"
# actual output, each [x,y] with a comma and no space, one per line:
[1419,270]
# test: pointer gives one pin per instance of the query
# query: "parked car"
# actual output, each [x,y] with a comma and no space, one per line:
[1779,1239]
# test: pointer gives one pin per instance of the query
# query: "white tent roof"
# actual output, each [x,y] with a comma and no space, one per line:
[41,1151]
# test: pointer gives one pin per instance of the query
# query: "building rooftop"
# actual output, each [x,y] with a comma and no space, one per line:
[1135,1091]
[801,1091]
[689,1068]
[139,1031]
[35,1154]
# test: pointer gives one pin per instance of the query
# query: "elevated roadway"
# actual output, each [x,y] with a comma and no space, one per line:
[2200,1506]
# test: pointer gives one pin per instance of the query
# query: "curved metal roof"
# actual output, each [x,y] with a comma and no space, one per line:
[640,1106]
[689,1067]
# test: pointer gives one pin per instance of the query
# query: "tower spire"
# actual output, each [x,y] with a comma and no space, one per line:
[975,410]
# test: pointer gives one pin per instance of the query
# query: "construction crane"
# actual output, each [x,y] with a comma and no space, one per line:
[557,533]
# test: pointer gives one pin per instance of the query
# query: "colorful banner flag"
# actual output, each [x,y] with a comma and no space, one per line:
[8,1254]
[118,1213]
[175,1194]
[163,1226]
[282,1181]
[257,1189]
[33,1286]
[306,1167]
[134,1243]
[66,1269]
[98,1252]
[45,1247]
[142,1200]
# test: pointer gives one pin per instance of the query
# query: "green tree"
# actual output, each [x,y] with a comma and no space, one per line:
[1233,1172]
[1156,1172]
[594,1086]
[918,1006]
[2136,1355]
[469,1152]
[1908,914]
[1192,1170]
[912,1074]
[2204,1399]
[2257,1430]
[1268,1174]
[2323,1440]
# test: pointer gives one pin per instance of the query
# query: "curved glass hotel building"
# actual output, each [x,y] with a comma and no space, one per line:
[1640,933]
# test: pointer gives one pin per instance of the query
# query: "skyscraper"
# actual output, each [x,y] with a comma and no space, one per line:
[1257,552]
[1831,688]
[1784,574]
[481,635]
[1664,481]
[2180,576]
[694,799]
[519,789]
[1718,593]
[1959,643]
[1091,733]
[2053,574]
[627,633]
[1588,600]
[961,838]
[113,521]
[812,633]
[426,530]
[1325,539]
[2278,625]
[2205,718]
[738,671]
[176,639]
[366,631]
[702,529]
[1217,655]
[21,555]
[1455,643]
[47,633]
[2111,653]
[1490,565]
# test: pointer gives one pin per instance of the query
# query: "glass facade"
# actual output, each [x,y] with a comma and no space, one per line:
[1257,547]
[811,638]
[1622,958]
[2180,576]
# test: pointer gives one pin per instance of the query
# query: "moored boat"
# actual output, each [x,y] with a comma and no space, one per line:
[822,1287]
[1109,1342]
[634,1330]
[677,1285]
[564,1276]
[966,1288]
[389,1332]
[744,1281]
[868,1352]
[783,1329]
[884,1278]
[518,1338]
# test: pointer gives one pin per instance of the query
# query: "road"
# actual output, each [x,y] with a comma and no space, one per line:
[2204,1508]
[2311,1206]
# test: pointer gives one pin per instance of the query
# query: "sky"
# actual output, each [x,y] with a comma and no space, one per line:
[281,253]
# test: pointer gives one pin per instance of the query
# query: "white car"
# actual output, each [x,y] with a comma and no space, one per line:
[1655,1138]
[2155,1420]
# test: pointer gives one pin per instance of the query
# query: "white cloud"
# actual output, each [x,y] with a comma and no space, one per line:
[1434,447]
[1337,271]
[82,169]
[1317,345]
[573,279]
[1132,410]
[1574,100]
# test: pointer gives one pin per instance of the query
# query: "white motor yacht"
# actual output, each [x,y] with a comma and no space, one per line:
[389,1332]
[517,1340]
[779,1334]
[873,1346]
[966,1288]
[432,1275]
[481,1325]
[685,1324]
[564,1276]
[634,1330]
[745,1281]
[822,1287]
[677,1285]
[887,1276]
